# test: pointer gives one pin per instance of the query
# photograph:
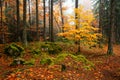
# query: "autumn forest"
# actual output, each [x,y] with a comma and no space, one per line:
[59,40]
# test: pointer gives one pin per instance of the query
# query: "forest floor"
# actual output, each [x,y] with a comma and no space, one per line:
[105,67]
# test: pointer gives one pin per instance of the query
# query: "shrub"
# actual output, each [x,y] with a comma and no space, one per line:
[13,50]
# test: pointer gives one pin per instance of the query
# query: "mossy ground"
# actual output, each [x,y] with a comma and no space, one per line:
[91,64]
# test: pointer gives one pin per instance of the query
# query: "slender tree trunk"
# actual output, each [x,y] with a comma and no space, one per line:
[76,15]
[101,13]
[49,2]
[76,18]
[3,35]
[62,19]
[44,31]
[29,12]
[37,20]
[24,24]
[6,6]
[18,17]
[51,16]
[112,24]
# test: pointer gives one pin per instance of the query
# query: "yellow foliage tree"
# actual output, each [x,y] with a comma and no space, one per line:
[86,34]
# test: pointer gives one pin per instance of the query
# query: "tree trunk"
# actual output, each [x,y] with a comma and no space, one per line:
[51,16]
[2,27]
[76,18]
[49,2]
[44,31]
[37,20]
[29,12]
[62,20]
[112,24]
[101,17]
[24,24]
[18,17]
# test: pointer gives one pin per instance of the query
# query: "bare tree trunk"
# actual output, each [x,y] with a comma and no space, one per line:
[51,16]
[3,35]
[24,23]
[49,2]
[112,24]
[77,27]
[101,13]
[37,20]
[29,12]
[76,15]
[62,20]
[44,31]
[18,17]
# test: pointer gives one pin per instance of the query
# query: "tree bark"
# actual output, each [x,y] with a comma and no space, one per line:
[24,24]
[3,35]
[112,24]
[18,17]
[62,19]
[37,20]
[44,31]
[49,2]
[51,16]
[76,18]
[29,12]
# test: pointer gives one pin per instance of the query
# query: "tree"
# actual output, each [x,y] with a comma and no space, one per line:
[76,15]
[49,2]
[62,20]
[112,25]
[86,33]
[51,24]
[24,24]
[37,20]
[29,4]
[76,18]
[1,8]
[44,8]
[18,16]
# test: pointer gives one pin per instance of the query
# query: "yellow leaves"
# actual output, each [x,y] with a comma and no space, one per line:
[85,33]
[77,37]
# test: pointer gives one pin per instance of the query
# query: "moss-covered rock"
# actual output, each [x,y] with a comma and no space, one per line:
[30,62]
[36,51]
[17,61]
[46,61]
[13,50]
[52,48]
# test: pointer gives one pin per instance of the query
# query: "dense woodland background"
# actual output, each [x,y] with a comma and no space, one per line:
[27,20]
[43,27]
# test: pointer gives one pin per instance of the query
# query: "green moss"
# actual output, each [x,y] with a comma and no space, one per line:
[36,51]
[17,61]
[13,50]
[60,58]
[86,63]
[30,62]
[51,48]
[46,61]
